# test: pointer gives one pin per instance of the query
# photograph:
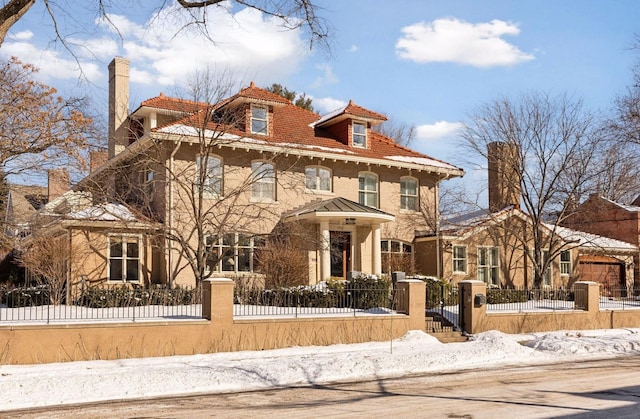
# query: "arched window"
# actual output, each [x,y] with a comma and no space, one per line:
[263,178]
[368,189]
[409,193]
[318,178]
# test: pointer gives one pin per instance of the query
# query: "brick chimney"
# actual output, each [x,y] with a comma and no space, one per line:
[118,105]
[97,158]
[504,175]
[58,183]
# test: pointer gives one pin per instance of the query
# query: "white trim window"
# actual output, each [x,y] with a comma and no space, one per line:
[317,179]
[459,257]
[368,189]
[212,177]
[263,181]
[409,193]
[233,252]
[565,262]
[259,120]
[149,181]
[359,134]
[488,272]
[124,258]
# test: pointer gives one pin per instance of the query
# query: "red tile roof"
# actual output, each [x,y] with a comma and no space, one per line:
[173,104]
[293,126]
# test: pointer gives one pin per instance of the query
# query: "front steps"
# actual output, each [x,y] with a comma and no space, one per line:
[442,329]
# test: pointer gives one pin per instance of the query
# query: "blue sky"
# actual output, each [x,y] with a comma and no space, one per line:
[427,63]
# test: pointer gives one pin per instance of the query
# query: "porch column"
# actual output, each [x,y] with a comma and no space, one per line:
[325,251]
[377,252]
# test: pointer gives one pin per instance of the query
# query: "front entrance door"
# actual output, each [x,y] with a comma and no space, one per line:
[340,253]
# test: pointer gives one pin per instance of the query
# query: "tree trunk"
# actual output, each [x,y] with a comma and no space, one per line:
[11,13]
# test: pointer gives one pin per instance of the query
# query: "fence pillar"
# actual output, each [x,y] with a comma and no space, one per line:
[413,292]
[473,305]
[217,300]
[587,295]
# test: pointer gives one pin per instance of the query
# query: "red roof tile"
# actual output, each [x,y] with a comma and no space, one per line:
[294,126]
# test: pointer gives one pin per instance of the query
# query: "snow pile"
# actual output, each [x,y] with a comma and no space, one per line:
[415,353]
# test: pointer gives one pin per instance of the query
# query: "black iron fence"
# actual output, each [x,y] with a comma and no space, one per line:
[521,299]
[619,298]
[334,299]
[104,302]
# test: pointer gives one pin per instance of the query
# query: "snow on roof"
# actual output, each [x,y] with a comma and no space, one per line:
[103,212]
[590,240]
[423,161]
[630,208]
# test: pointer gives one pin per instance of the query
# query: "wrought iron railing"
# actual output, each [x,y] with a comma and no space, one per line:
[619,298]
[309,301]
[103,302]
[520,300]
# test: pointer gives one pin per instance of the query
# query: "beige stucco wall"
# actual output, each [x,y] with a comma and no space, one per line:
[243,214]
[221,333]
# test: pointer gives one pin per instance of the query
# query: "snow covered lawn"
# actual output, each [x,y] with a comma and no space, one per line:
[415,353]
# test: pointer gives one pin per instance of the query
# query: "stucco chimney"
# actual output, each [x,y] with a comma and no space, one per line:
[97,158]
[58,183]
[504,175]
[118,104]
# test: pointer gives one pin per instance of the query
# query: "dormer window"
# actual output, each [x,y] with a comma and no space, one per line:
[259,120]
[359,137]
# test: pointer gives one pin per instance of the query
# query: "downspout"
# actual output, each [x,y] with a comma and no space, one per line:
[170,176]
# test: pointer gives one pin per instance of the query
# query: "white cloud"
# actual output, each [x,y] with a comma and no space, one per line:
[20,36]
[325,105]
[328,76]
[453,40]
[353,48]
[438,130]
[51,64]
[168,51]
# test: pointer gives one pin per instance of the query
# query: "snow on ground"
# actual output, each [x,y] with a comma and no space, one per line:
[415,353]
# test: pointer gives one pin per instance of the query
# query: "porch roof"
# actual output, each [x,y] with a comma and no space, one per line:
[339,208]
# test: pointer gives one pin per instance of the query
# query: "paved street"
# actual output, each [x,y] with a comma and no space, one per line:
[592,389]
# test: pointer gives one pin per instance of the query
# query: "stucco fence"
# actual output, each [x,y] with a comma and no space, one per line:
[218,331]
[473,317]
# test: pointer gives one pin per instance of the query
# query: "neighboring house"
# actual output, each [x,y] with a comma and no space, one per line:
[23,202]
[496,245]
[358,196]
[599,215]
[496,248]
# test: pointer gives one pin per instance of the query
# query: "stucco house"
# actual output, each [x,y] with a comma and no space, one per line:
[495,245]
[256,162]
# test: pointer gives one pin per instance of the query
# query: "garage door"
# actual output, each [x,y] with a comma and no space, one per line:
[607,271]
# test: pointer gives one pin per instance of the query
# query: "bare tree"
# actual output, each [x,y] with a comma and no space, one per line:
[47,258]
[553,143]
[402,133]
[38,130]
[292,14]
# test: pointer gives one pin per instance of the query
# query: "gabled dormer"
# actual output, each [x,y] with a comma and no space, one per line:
[253,109]
[351,125]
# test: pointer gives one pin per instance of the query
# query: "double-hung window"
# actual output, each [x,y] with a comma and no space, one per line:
[263,186]
[459,254]
[259,120]
[368,189]
[318,179]
[409,194]
[124,258]
[209,175]
[359,134]
[488,265]
[546,278]
[565,262]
